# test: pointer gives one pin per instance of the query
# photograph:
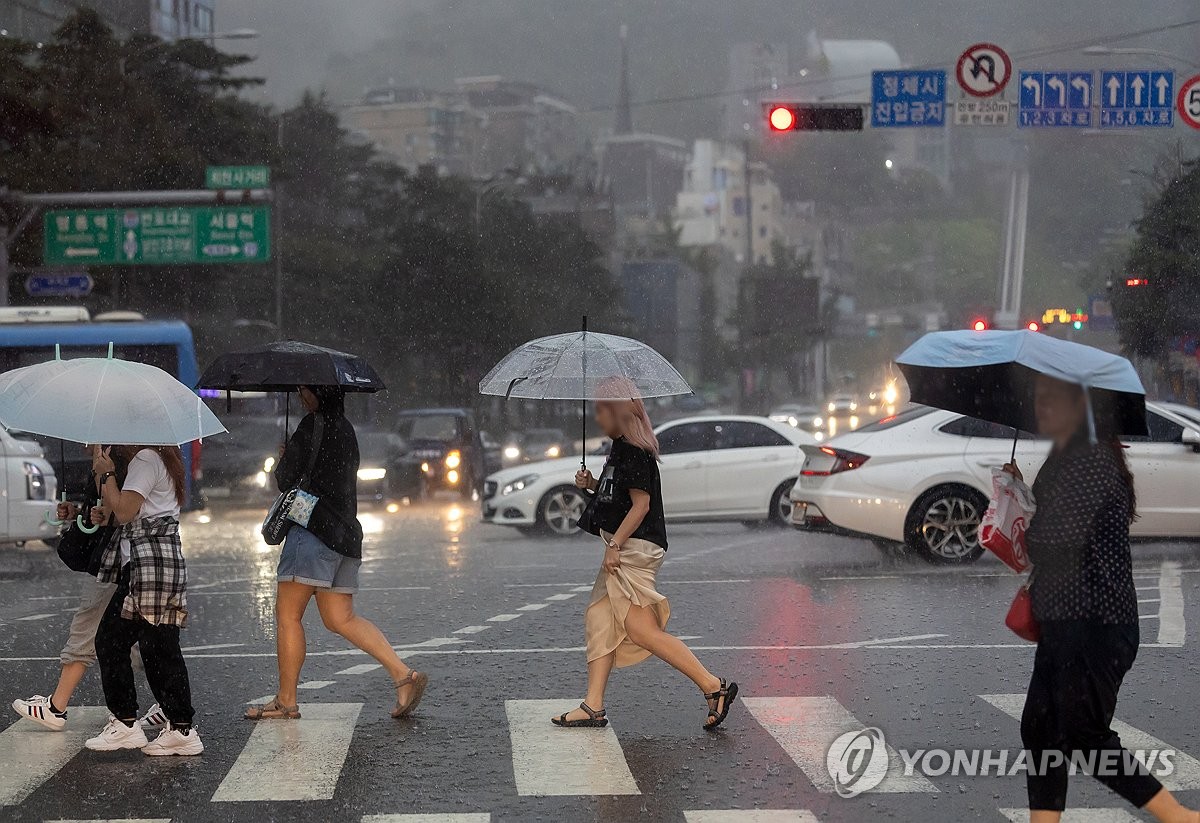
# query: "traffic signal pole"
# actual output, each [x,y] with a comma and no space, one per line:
[1012,276]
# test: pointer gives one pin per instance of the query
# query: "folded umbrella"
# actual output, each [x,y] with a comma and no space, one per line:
[991,374]
[287,364]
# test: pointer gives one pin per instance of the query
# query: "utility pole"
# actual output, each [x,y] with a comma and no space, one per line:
[1012,277]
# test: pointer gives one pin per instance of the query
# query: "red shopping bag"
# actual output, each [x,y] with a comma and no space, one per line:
[1002,530]
[1020,616]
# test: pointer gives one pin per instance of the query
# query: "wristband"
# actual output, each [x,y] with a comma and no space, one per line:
[104,477]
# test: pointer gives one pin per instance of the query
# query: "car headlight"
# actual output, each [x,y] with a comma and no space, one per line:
[454,459]
[818,422]
[519,484]
[511,453]
[260,480]
[452,476]
[832,407]
[553,451]
[36,487]
[372,474]
[268,465]
[793,422]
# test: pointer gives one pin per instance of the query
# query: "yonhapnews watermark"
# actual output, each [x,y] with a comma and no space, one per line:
[858,761]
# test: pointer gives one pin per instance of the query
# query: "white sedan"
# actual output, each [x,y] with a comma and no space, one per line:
[923,478]
[713,468]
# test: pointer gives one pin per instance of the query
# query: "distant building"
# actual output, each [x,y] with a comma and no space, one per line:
[755,70]
[417,127]
[643,173]
[169,19]
[662,298]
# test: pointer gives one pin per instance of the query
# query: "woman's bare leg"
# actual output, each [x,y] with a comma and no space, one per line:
[598,672]
[642,627]
[291,600]
[1166,808]
[68,680]
[337,612]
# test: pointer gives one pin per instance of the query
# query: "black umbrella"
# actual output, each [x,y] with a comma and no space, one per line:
[287,364]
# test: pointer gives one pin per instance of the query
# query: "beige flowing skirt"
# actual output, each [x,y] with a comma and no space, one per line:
[613,594]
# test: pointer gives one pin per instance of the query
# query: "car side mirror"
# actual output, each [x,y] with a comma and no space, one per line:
[1191,437]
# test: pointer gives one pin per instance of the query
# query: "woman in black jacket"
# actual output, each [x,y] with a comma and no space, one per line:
[322,559]
[1086,606]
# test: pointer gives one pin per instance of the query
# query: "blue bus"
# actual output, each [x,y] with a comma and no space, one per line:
[28,335]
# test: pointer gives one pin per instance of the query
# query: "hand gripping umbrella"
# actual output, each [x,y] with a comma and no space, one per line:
[582,366]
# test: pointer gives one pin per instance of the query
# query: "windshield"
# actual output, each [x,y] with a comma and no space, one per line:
[440,427]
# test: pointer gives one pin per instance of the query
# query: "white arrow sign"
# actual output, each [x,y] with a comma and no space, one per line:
[1114,86]
[1059,86]
[1084,88]
[1034,86]
[1138,85]
[1162,84]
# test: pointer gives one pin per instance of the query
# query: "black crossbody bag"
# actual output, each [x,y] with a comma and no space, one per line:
[277,523]
[82,552]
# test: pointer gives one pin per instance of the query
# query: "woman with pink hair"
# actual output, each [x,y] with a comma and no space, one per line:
[626,619]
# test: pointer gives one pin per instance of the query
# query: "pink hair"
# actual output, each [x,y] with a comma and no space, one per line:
[623,396]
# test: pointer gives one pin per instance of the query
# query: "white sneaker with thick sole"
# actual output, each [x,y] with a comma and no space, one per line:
[117,735]
[172,741]
[37,709]
[153,719]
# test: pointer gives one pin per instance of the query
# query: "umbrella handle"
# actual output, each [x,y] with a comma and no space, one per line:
[83,527]
[49,518]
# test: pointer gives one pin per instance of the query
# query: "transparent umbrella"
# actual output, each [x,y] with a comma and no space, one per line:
[584,366]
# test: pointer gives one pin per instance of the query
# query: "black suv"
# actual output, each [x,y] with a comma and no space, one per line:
[445,448]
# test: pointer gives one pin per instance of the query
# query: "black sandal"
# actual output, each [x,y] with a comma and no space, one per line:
[724,698]
[596,720]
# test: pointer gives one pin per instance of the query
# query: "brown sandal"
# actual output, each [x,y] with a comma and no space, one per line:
[272,710]
[419,681]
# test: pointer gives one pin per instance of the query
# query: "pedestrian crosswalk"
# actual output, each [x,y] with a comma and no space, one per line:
[306,760]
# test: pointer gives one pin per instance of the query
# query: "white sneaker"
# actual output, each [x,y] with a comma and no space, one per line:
[172,741]
[117,735]
[37,709]
[153,719]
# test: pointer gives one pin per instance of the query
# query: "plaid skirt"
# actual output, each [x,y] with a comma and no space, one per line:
[157,574]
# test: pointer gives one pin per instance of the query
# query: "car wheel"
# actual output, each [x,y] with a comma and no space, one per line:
[943,525]
[781,504]
[560,510]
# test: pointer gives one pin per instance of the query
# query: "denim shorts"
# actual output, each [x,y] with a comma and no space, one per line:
[305,559]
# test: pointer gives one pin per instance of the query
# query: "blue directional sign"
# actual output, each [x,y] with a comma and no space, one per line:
[904,98]
[1056,99]
[1137,98]
[59,284]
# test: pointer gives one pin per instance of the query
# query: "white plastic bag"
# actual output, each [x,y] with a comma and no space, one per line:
[1002,530]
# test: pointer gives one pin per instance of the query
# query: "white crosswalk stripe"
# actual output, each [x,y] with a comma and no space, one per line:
[303,758]
[117,820]
[1184,777]
[1078,816]
[750,816]
[549,761]
[30,754]
[805,727]
[427,818]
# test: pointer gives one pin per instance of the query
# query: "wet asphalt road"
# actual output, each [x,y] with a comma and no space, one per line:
[823,634]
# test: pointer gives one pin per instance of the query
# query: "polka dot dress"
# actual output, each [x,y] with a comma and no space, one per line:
[1079,538]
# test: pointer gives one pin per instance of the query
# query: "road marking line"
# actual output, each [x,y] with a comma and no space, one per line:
[211,647]
[116,820]
[869,577]
[1186,775]
[533,607]
[361,668]
[751,816]
[31,755]
[584,588]
[315,684]
[1172,630]
[471,629]
[1150,600]
[37,616]
[1148,588]
[55,597]
[433,643]
[503,618]
[395,588]
[1078,816]
[484,817]
[214,584]
[566,596]
[303,758]
[544,586]
[551,762]
[1147,617]
[806,726]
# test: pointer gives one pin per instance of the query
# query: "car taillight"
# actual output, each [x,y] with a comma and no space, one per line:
[843,461]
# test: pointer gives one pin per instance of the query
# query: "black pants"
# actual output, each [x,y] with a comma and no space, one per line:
[165,669]
[1069,709]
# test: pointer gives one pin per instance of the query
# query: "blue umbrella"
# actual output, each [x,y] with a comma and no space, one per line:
[990,375]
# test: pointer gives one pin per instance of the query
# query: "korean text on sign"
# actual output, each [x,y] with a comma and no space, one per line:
[908,98]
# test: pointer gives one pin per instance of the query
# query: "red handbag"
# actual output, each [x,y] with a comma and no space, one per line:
[1020,616]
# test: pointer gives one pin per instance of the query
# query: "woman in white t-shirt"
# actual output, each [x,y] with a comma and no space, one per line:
[150,604]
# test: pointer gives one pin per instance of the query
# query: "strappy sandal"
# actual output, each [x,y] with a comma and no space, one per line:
[595,720]
[272,710]
[419,681]
[724,698]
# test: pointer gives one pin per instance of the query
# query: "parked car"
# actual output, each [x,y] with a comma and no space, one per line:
[28,490]
[713,468]
[535,445]
[445,447]
[923,478]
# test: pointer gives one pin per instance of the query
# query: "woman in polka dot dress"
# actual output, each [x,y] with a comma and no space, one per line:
[1086,605]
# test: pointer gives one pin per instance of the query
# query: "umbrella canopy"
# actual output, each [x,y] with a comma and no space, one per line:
[581,366]
[287,364]
[990,375]
[104,400]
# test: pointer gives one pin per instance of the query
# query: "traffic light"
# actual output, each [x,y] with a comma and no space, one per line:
[980,324]
[806,117]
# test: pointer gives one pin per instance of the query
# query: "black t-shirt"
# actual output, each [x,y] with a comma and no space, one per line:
[629,467]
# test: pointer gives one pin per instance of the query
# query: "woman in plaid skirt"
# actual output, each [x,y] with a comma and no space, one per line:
[149,608]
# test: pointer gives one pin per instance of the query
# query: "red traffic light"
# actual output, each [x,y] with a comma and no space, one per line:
[980,324]
[782,118]
[1033,325]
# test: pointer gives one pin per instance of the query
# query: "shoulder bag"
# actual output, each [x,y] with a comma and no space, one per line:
[296,504]
[80,551]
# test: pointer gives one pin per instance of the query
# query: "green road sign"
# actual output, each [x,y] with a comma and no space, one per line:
[237,177]
[157,235]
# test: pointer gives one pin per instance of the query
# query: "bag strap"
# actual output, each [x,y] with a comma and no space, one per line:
[318,439]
